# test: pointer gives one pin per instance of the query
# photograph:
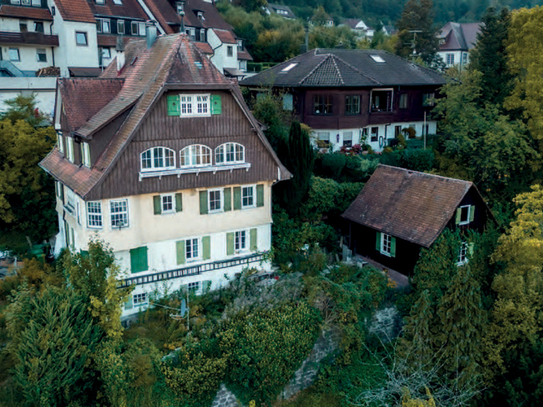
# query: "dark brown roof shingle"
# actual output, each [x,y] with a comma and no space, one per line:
[411,205]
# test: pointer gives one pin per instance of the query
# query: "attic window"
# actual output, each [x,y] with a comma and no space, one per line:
[377,58]
[289,67]
[118,2]
[201,15]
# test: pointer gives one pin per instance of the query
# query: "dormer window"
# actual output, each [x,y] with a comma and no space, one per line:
[100,1]
[118,2]
[200,15]
[194,105]
[158,158]
[230,153]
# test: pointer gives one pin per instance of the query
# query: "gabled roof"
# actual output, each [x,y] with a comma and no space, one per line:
[354,24]
[225,36]
[286,11]
[75,10]
[83,98]
[164,13]
[127,8]
[459,37]
[172,62]
[345,68]
[212,18]
[410,205]
[33,13]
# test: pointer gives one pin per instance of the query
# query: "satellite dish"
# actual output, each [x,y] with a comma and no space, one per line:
[184,309]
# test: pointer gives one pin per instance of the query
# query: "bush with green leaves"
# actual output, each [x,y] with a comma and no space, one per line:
[265,348]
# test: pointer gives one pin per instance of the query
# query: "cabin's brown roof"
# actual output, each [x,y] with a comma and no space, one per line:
[410,205]
[171,62]
[75,10]
[84,97]
[33,13]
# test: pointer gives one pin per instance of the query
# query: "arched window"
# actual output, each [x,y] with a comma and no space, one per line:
[230,153]
[195,155]
[158,158]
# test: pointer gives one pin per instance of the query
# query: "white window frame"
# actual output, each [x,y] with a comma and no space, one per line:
[153,157]
[36,3]
[194,287]
[140,299]
[241,236]
[85,154]
[106,53]
[467,221]
[69,200]
[118,2]
[141,27]
[195,155]
[164,201]
[224,157]
[386,244]
[10,55]
[123,214]
[41,51]
[70,149]
[449,59]
[94,217]
[221,200]
[463,254]
[193,242]
[60,143]
[106,23]
[195,105]
[253,189]
[15,2]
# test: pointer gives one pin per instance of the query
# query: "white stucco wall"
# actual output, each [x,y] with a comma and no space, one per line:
[220,58]
[458,58]
[44,88]
[28,60]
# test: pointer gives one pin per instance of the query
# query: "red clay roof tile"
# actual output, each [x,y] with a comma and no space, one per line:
[75,10]
[26,12]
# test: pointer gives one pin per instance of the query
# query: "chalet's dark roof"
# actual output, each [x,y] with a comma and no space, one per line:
[212,18]
[127,9]
[410,205]
[225,36]
[164,13]
[28,37]
[459,37]
[348,68]
[84,97]
[75,10]
[33,13]
[84,72]
[275,7]
[171,62]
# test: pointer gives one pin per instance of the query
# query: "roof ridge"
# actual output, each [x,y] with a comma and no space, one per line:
[316,67]
[337,69]
[425,173]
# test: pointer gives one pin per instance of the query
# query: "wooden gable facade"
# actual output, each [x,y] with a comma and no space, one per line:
[400,211]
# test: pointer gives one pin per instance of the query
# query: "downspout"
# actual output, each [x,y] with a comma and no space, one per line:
[52,48]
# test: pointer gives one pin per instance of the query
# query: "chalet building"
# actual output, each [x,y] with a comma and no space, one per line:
[41,40]
[399,211]
[161,158]
[280,10]
[455,42]
[353,97]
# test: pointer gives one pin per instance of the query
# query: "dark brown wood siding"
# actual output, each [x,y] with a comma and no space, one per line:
[101,140]
[174,132]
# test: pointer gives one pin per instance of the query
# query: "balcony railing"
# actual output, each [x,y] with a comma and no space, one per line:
[193,270]
[195,170]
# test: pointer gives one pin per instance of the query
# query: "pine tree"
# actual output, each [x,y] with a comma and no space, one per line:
[490,58]
[417,32]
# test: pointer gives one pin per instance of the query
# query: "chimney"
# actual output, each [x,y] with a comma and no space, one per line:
[151,32]
[120,53]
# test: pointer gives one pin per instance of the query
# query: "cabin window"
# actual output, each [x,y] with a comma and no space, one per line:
[465,214]
[385,244]
[215,200]
[94,214]
[119,213]
[322,104]
[381,100]
[248,197]
[403,101]
[158,158]
[140,299]
[195,156]
[230,153]
[462,254]
[352,104]
[195,105]
[428,99]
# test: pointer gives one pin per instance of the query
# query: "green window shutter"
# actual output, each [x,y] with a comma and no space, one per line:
[458,215]
[216,104]
[471,213]
[254,244]
[174,109]
[203,202]
[128,304]
[237,198]
[230,244]
[138,259]
[470,248]
[206,247]
[227,199]
[180,247]
[178,202]
[393,247]
[378,241]
[260,195]
[157,205]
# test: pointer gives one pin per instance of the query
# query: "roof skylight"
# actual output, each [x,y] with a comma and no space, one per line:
[289,67]
[377,58]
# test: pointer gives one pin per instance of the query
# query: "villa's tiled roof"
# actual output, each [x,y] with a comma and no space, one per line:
[33,13]
[411,205]
[75,10]
[459,36]
[346,68]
